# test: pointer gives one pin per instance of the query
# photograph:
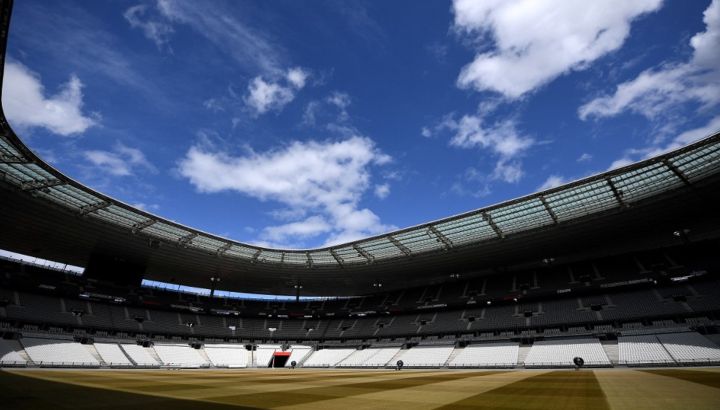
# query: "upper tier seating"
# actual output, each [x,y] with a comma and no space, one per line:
[560,353]
[50,352]
[487,355]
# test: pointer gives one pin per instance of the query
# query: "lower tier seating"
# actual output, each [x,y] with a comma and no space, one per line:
[560,353]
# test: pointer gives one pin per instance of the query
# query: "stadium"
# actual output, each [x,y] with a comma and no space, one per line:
[600,293]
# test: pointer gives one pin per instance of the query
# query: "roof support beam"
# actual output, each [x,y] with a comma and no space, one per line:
[442,238]
[404,249]
[221,250]
[548,209]
[256,256]
[185,240]
[12,159]
[139,226]
[616,192]
[676,171]
[309,260]
[87,209]
[337,258]
[46,183]
[486,216]
[364,253]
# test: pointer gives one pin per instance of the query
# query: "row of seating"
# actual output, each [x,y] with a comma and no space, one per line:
[667,349]
[660,349]
[625,306]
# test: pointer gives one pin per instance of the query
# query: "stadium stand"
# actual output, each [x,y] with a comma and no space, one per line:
[179,355]
[264,354]
[227,355]
[52,352]
[560,353]
[426,356]
[112,355]
[690,348]
[327,357]
[298,353]
[370,357]
[9,353]
[643,350]
[487,355]
[140,355]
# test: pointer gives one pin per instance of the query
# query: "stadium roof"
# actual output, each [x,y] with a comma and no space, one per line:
[93,221]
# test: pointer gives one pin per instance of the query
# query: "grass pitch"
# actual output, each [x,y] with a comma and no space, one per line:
[360,389]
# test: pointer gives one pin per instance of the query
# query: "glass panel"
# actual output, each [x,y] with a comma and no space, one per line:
[646,181]
[521,216]
[420,240]
[471,228]
[350,255]
[582,200]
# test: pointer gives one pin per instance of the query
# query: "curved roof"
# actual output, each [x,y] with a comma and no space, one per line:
[612,190]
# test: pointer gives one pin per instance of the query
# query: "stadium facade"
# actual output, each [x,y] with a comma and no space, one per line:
[620,268]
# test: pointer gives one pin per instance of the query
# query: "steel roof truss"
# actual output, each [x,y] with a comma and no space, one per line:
[364,254]
[399,245]
[33,185]
[447,243]
[486,216]
[90,208]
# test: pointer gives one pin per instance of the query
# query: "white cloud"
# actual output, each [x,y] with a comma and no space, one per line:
[297,77]
[501,139]
[250,48]
[307,228]
[331,113]
[585,157]
[157,31]
[536,41]
[551,182]
[426,132]
[146,207]
[382,190]
[26,104]
[265,95]
[121,161]
[507,171]
[660,90]
[326,179]
[682,139]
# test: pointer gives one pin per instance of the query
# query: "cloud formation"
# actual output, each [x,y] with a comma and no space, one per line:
[326,179]
[121,161]
[27,105]
[536,41]
[266,95]
[155,30]
[658,90]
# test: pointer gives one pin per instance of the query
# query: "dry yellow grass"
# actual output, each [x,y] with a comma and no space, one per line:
[361,389]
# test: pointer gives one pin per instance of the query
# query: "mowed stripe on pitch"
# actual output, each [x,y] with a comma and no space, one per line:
[296,396]
[560,389]
[427,397]
[706,378]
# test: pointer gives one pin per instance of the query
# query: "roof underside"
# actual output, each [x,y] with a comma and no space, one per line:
[69,222]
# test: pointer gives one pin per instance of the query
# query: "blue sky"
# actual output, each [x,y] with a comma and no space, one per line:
[304,123]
